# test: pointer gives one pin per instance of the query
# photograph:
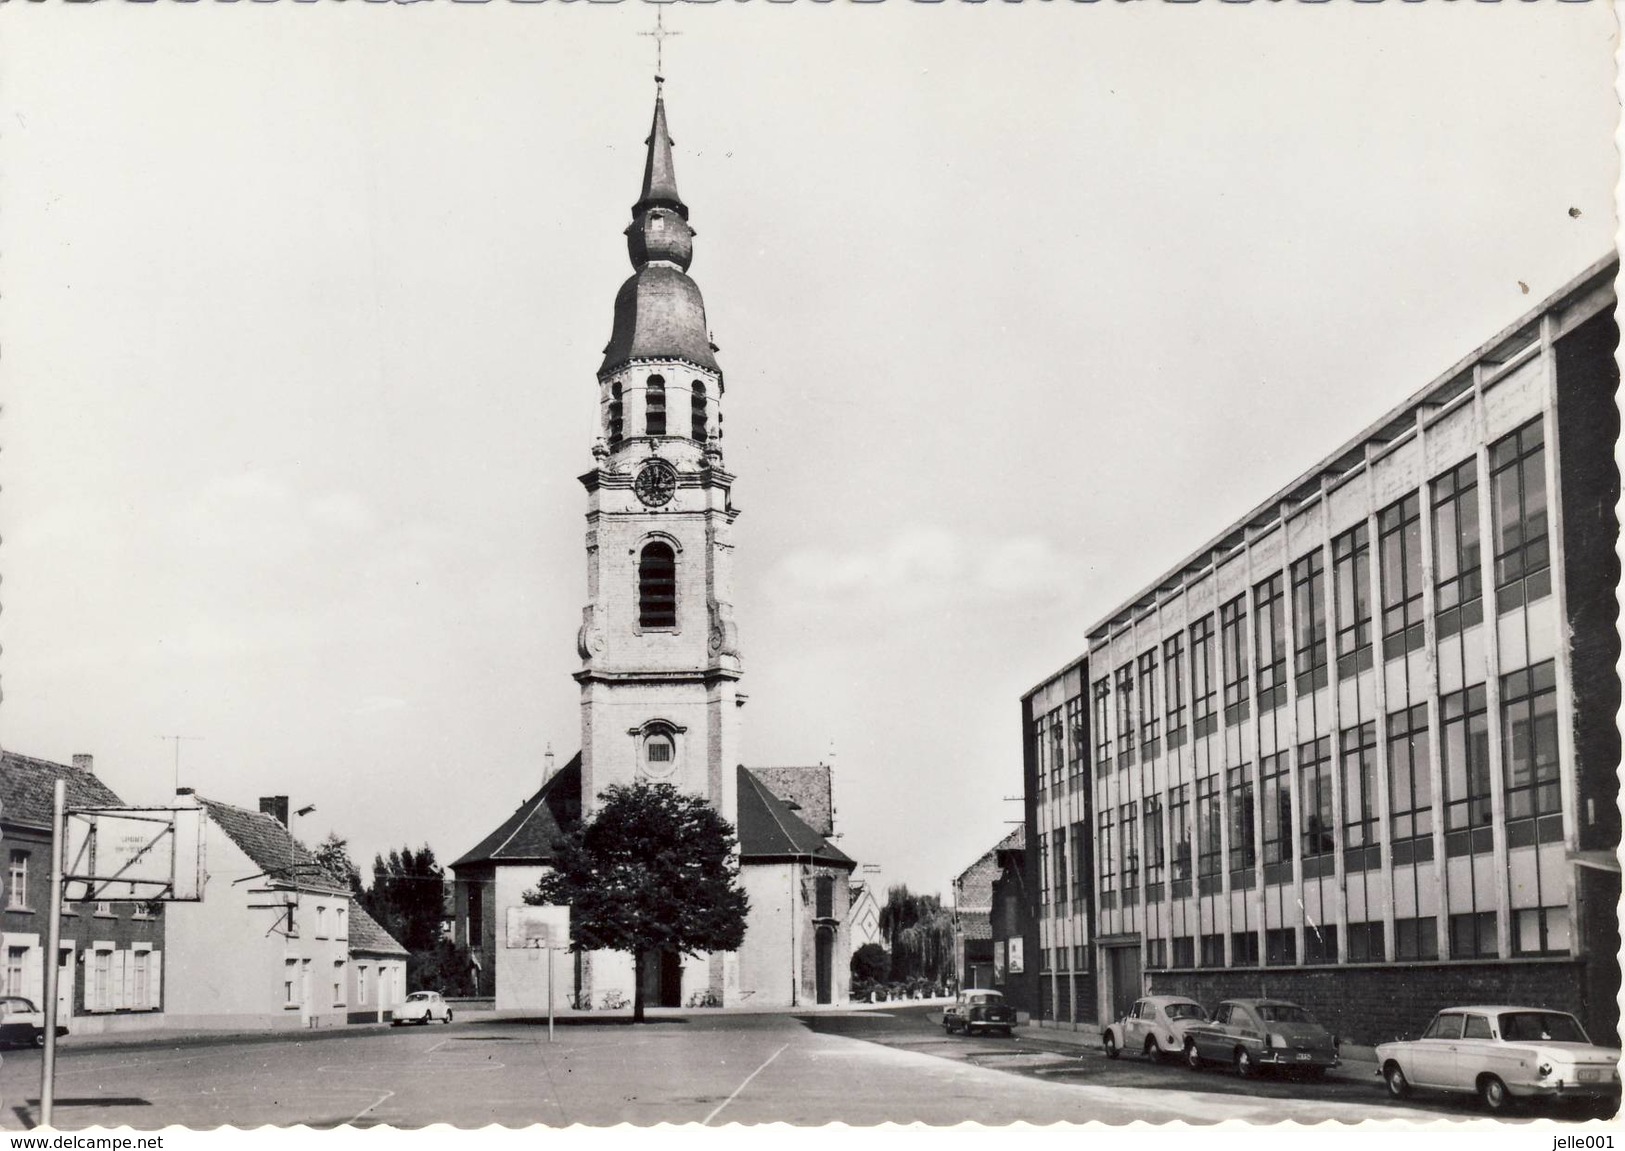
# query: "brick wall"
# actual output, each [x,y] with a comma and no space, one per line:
[1370,1005]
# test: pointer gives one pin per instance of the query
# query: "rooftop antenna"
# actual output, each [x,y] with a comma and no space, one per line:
[660,33]
[177,741]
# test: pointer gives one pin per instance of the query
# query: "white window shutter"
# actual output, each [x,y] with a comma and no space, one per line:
[34,974]
[121,979]
[155,979]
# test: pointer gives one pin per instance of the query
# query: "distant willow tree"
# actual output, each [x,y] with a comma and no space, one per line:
[919,933]
[653,870]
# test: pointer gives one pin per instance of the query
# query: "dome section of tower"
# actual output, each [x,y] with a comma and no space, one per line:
[660,234]
[659,315]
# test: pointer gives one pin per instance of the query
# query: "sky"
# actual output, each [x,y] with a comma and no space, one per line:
[300,310]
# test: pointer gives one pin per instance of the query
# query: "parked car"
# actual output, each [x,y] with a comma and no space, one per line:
[1255,1034]
[1502,1054]
[423,1007]
[979,1010]
[22,1024]
[1155,1025]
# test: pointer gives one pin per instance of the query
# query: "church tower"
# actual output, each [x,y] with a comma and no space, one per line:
[659,652]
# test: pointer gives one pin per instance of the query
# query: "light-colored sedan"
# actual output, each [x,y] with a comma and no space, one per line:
[1155,1025]
[1502,1054]
[422,1007]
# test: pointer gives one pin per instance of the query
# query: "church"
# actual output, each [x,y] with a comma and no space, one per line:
[659,674]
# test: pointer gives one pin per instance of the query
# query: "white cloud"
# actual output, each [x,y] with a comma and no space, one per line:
[928,567]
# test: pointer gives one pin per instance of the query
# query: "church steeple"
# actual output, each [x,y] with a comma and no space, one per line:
[659,314]
[659,174]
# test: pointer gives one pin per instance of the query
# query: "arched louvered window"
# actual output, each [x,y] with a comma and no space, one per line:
[654,410]
[616,426]
[697,428]
[657,586]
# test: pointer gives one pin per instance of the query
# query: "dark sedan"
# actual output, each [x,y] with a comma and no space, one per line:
[1256,1034]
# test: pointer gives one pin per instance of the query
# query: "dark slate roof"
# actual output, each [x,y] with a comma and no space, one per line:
[27,785]
[659,315]
[659,174]
[528,835]
[366,935]
[272,848]
[768,830]
[808,788]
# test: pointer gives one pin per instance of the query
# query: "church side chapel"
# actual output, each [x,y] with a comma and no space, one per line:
[660,670]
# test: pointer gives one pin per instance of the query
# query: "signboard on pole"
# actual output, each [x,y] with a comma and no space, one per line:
[135,854]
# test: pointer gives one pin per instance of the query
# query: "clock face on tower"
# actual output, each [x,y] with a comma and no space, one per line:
[656,482]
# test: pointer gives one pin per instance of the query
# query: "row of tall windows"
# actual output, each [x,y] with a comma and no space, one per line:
[1535,931]
[1347,774]
[1522,575]
[654,411]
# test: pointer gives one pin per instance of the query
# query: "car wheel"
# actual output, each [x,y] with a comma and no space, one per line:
[1109,1046]
[1245,1067]
[39,1039]
[1152,1051]
[1494,1093]
[1192,1059]
[1398,1085]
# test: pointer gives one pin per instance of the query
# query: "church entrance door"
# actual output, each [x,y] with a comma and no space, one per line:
[663,979]
[824,957]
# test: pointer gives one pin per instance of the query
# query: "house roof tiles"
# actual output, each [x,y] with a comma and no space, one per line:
[27,786]
[367,936]
[272,847]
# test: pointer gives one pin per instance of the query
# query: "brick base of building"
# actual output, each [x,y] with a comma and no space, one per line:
[1371,1005]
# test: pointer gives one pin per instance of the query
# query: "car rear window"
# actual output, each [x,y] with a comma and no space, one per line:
[1186,1011]
[1283,1013]
[1541,1026]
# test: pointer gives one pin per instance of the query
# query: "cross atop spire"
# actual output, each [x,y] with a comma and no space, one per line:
[660,33]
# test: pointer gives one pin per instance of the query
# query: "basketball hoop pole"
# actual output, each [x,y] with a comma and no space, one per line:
[53,944]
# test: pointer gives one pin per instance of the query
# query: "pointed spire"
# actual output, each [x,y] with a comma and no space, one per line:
[659,174]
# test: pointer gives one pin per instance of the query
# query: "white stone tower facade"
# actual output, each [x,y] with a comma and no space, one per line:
[659,650]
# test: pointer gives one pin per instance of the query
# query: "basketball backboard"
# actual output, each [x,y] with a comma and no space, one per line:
[533,926]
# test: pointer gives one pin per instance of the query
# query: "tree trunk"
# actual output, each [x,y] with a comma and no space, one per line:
[638,961]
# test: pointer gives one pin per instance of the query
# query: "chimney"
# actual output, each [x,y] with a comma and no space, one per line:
[185,791]
[85,763]
[276,806]
[547,764]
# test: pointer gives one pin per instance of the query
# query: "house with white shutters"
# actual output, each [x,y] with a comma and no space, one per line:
[111,955]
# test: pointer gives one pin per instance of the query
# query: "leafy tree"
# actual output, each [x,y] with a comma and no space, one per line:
[407,897]
[920,935]
[652,870]
[445,968]
[334,856]
[870,963]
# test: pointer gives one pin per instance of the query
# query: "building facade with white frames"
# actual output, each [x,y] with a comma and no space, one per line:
[1359,750]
